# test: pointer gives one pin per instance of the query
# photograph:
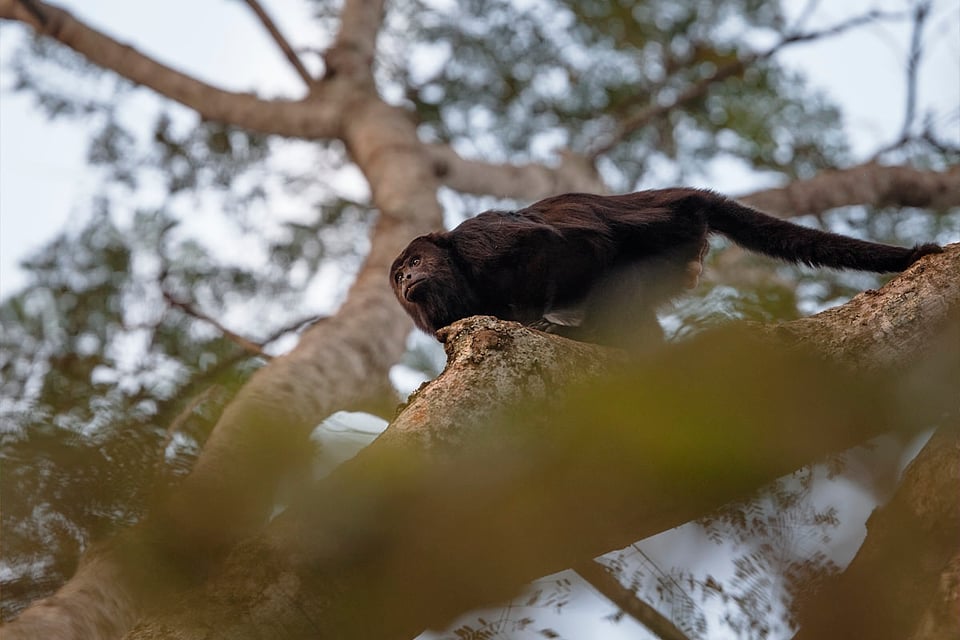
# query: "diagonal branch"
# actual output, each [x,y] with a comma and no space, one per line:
[282,42]
[600,578]
[805,14]
[654,111]
[700,88]
[247,345]
[340,365]
[35,11]
[310,118]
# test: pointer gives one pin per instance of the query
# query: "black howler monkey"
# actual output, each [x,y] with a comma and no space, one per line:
[602,262]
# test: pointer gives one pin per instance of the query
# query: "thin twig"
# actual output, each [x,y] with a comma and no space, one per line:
[699,89]
[647,115]
[296,326]
[282,42]
[920,14]
[943,147]
[177,424]
[202,380]
[837,29]
[247,345]
[600,578]
[808,11]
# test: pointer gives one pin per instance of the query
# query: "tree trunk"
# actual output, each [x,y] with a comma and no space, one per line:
[903,581]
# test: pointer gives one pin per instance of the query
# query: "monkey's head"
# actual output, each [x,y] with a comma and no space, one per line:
[430,285]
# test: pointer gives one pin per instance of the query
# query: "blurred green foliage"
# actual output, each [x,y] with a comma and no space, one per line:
[95,365]
[521,79]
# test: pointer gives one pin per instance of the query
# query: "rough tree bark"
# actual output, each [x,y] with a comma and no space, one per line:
[312,571]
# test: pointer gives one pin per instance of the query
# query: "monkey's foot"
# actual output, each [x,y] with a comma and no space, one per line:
[694,269]
[546,326]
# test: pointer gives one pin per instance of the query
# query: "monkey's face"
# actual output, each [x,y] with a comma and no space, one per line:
[427,282]
[413,271]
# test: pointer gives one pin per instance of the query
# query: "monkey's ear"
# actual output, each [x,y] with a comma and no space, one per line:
[439,238]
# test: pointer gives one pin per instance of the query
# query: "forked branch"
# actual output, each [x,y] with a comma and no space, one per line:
[309,119]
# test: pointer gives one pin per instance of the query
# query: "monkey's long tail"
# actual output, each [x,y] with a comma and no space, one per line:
[778,238]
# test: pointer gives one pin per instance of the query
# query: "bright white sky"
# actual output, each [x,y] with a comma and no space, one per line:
[44,182]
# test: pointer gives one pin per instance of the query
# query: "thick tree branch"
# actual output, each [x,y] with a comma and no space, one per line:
[868,184]
[523,182]
[316,117]
[356,43]
[35,11]
[340,364]
[360,24]
[452,495]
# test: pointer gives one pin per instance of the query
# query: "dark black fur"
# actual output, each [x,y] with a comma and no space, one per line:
[583,255]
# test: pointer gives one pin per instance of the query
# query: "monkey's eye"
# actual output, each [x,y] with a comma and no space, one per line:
[399,276]
[415,262]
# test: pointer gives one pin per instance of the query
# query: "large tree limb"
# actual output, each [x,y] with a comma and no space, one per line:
[315,117]
[869,184]
[530,181]
[356,43]
[451,508]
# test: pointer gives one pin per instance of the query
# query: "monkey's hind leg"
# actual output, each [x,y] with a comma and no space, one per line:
[694,268]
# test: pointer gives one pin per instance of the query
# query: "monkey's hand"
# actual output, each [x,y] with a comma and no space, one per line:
[547,326]
[574,332]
